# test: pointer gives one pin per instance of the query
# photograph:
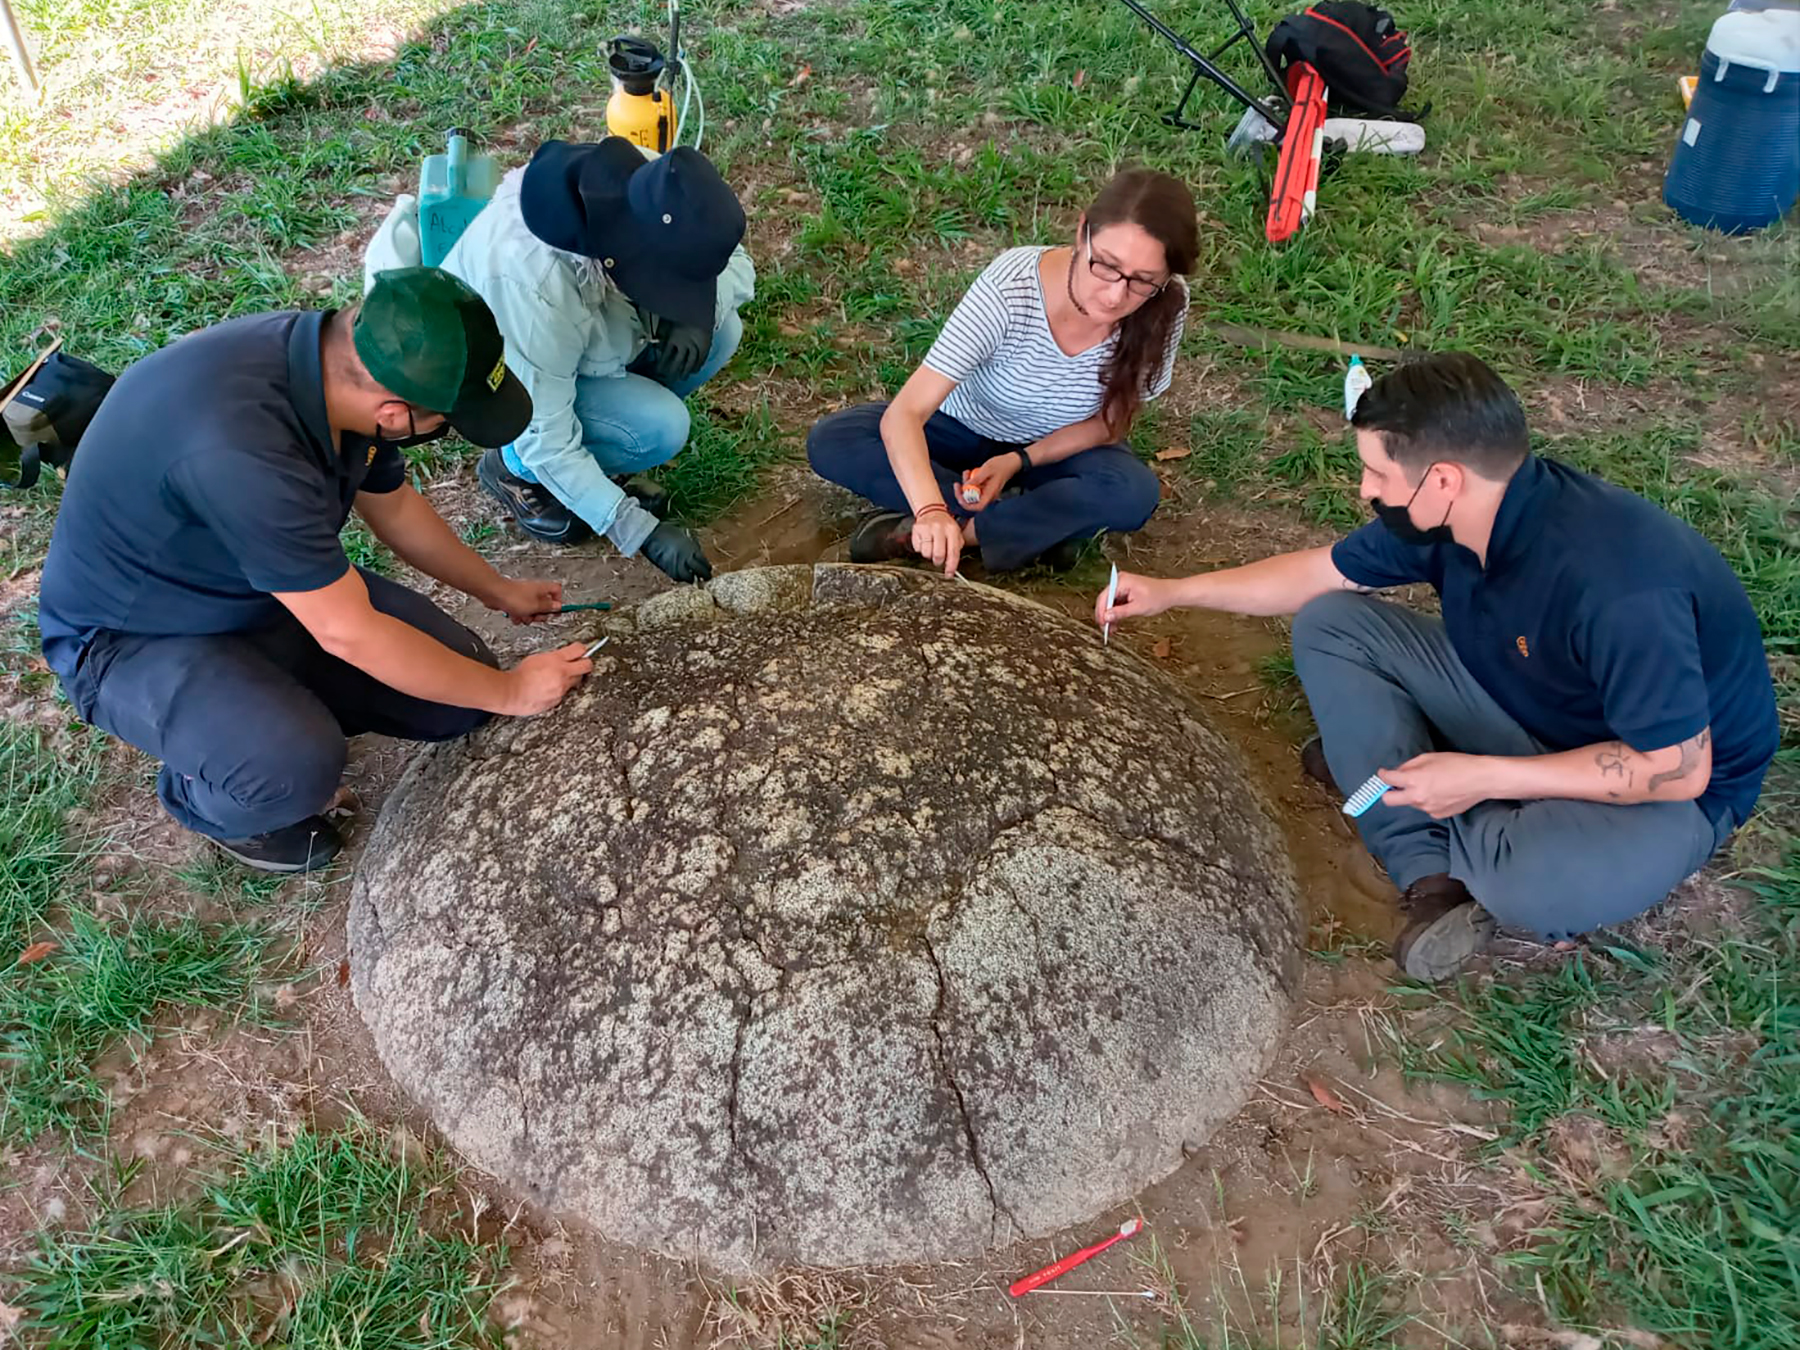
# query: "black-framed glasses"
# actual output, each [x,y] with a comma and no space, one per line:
[1106,272]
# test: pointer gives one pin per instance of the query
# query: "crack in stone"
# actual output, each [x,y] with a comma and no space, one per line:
[997,1206]
[731,1094]
[769,928]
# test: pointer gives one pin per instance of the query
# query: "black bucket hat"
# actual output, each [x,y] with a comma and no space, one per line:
[662,228]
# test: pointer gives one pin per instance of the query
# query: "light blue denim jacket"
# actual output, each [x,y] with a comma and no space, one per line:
[563,321]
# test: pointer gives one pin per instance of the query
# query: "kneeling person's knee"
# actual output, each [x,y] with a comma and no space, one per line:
[286,776]
[833,436]
[1326,622]
[1126,493]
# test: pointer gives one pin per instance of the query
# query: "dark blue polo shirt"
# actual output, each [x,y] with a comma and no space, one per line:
[206,481]
[1599,617]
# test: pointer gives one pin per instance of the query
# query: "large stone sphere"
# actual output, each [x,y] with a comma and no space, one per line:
[843,915]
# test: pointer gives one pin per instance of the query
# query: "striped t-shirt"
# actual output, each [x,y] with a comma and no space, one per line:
[1013,383]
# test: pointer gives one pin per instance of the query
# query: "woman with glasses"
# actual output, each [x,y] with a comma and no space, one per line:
[1010,438]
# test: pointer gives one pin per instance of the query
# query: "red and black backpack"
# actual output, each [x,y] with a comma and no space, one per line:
[1356,48]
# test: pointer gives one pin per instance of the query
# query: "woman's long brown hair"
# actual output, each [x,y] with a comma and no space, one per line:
[1164,209]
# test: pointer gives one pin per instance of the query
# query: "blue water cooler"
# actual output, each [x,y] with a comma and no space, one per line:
[1736,165]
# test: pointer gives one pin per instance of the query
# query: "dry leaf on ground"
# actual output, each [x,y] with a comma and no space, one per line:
[1324,1096]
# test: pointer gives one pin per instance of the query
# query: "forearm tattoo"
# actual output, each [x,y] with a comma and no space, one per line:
[1619,765]
[1613,761]
[1690,757]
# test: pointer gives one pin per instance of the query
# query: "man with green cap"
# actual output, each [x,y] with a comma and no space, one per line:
[197,601]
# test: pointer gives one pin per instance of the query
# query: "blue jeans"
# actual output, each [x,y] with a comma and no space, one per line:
[1106,488]
[1385,685]
[630,423]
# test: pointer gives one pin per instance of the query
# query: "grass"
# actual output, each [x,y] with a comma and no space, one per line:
[723,462]
[893,148]
[1361,1311]
[323,1242]
[106,979]
[104,983]
[1690,1231]
[38,788]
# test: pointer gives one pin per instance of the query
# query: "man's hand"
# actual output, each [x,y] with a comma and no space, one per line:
[1442,785]
[1137,598]
[676,550]
[991,477]
[681,350]
[540,681]
[524,599]
[938,539]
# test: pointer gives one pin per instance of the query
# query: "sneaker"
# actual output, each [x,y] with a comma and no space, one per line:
[1313,765]
[302,847]
[1445,929]
[882,536]
[647,493]
[535,507]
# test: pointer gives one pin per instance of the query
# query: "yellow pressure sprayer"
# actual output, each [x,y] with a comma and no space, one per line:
[643,108]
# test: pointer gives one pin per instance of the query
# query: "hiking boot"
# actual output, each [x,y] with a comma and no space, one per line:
[302,847]
[534,506]
[882,536]
[1445,928]
[647,493]
[1313,765]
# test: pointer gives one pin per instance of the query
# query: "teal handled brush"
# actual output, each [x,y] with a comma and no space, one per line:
[1367,795]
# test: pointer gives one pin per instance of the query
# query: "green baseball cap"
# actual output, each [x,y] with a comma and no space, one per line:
[425,336]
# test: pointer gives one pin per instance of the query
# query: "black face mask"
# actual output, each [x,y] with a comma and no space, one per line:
[1399,521]
[413,436]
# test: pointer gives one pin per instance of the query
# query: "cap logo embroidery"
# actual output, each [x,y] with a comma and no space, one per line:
[371,459]
[1523,646]
[496,376]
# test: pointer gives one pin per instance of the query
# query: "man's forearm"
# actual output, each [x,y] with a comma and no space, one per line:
[1609,771]
[1278,585]
[403,658]
[421,538]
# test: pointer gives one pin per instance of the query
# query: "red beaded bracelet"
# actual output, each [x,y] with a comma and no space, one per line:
[929,508]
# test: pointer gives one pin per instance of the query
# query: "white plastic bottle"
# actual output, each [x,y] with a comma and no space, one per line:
[1356,382]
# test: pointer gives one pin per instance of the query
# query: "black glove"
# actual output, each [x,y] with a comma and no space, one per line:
[675,549]
[681,350]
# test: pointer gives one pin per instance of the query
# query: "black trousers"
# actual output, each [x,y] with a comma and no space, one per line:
[251,727]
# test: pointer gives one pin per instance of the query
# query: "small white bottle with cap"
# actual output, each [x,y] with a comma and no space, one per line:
[1356,383]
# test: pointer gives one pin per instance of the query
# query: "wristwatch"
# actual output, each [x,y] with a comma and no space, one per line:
[1024,457]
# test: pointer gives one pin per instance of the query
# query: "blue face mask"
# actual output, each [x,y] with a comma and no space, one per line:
[1399,521]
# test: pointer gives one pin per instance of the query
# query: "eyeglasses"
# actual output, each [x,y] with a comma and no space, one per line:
[1106,272]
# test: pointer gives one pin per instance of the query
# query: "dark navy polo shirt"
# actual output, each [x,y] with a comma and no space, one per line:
[1599,617]
[206,481]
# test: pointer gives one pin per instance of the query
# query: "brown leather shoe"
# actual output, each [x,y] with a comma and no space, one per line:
[1445,928]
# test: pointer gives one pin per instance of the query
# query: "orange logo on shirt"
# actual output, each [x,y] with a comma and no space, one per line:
[1524,646]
